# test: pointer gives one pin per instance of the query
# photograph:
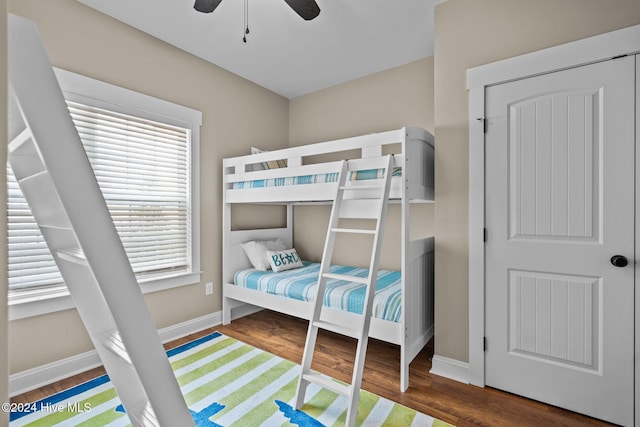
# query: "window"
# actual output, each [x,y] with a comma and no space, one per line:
[144,154]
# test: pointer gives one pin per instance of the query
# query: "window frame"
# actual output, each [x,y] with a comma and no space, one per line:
[89,91]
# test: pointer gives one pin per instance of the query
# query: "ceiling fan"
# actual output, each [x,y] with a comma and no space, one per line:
[307,9]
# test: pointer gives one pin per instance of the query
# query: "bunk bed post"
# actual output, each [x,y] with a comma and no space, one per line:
[405,358]
[226,235]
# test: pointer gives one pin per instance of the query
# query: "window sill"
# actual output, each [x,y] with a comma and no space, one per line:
[59,299]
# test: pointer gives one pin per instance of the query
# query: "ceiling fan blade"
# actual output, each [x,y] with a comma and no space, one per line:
[206,6]
[307,9]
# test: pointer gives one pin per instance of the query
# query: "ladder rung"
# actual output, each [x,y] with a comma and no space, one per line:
[144,414]
[73,255]
[328,383]
[338,329]
[20,139]
[55,227]
[353,230]
[113,342]
[360,208]
[362,187]
[346,277]
[37,175]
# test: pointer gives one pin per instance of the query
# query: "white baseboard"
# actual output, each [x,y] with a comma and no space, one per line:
[450,368]
[39,376]
[171,333]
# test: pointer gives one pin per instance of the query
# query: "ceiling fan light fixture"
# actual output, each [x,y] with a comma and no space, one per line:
[307,9]
[206,6]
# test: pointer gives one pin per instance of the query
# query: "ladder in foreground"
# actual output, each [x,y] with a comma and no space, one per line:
[53,171]
[366,202]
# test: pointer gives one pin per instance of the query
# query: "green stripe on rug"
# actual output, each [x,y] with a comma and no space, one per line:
[266,408]
[207,351]
[228,383]
[211,366]
[400,414]
[365,406]
[102,419]
[259,385]
[227,378]
[317,405]
[53,416]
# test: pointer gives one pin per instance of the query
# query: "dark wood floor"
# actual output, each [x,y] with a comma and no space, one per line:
[450,401]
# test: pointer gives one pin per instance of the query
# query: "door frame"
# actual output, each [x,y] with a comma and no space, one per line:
[582,52]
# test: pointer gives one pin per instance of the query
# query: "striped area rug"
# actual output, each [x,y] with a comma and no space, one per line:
[225,382]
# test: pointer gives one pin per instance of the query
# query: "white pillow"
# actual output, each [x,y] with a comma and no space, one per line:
[284,260]
[256,251]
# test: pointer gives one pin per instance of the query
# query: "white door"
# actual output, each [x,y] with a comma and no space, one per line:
[559,205]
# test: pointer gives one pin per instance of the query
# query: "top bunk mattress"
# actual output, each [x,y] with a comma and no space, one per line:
[314,179]
[301,284]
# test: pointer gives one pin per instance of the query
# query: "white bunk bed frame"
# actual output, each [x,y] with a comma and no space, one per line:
[416,184]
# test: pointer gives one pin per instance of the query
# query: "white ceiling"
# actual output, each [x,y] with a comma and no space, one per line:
[284,53]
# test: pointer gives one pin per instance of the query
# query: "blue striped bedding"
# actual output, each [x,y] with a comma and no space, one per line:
[313,179]
[300,284]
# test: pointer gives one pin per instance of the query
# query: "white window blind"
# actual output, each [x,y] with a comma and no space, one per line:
[30,262]
[142,168]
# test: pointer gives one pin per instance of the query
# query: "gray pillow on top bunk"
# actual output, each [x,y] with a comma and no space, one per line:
[256,251]
[273,164]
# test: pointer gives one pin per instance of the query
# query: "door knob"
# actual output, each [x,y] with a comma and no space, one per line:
[619,261]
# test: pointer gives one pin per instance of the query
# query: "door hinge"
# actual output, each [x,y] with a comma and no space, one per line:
[484,123]
[484,343]
[484,236]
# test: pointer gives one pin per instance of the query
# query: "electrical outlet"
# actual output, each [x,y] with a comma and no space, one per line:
[208,288]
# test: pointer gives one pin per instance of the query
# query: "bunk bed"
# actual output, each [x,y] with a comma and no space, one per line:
[293,176]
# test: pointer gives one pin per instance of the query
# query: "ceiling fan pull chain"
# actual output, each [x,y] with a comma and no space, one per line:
[246,20]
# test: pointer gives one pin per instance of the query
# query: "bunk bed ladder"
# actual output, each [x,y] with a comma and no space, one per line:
[363,201]
[56,178]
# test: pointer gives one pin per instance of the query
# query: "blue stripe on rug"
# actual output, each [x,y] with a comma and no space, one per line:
[59,397]
[191,344]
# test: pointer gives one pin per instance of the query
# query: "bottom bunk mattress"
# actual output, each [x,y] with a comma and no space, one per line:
[301,284]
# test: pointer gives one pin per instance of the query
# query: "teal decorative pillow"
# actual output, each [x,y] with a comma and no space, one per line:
[284,260]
